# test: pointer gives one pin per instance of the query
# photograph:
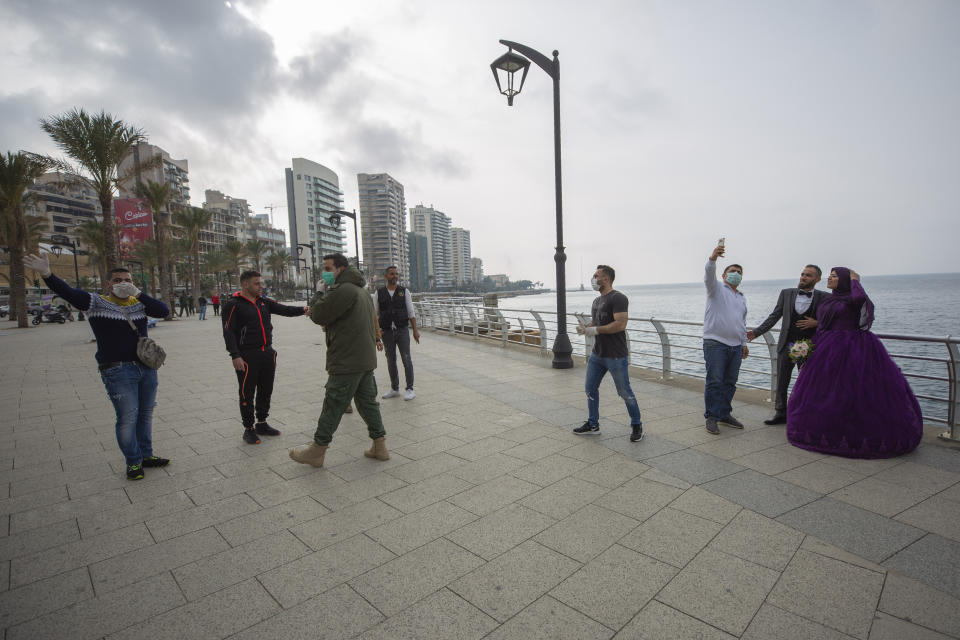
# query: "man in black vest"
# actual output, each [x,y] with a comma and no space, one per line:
[394,308]
[801,302]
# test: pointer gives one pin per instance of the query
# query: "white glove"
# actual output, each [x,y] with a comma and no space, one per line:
[38,263]
[126,290]
[590,331]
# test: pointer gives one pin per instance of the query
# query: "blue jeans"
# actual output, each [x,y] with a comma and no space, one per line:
[132,388]
[723,369]
[203,312]
[597,367]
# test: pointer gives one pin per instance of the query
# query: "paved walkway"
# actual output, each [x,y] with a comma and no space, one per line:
[491,520]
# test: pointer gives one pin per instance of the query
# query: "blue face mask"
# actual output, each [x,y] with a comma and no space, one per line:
[328,277]
[733,278]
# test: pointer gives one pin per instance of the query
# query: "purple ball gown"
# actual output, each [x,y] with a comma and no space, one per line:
[850,398]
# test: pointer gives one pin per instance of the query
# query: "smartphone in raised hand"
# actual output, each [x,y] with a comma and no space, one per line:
[722,243]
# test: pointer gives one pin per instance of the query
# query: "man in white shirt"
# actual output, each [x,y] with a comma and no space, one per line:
[724,341]
[394,308]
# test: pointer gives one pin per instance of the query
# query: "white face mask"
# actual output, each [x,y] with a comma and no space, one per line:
[124,290]
[594,283]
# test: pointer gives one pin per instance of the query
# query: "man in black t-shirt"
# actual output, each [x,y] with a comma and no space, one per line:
[610,353]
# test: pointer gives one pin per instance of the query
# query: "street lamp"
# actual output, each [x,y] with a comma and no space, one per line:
[507,66]
[313,260]
[58,243]
[335,219]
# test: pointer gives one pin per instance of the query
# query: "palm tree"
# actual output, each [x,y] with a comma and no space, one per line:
[278,261]
[98,144]
[158,196]
[17,230]
[236,251]
[91,233]
[255,251]
[217,262]
[147,253]
[193,220]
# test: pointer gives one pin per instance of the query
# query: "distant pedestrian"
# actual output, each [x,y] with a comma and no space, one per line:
[184,305]
[394,308]
[724,340]
[608,326]
[215,301]
[248,334]
[130,384]
[202,307]
[190,301]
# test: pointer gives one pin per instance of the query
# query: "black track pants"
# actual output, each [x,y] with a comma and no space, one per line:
[256,384]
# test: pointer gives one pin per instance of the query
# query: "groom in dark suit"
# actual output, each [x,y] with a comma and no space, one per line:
[798,308]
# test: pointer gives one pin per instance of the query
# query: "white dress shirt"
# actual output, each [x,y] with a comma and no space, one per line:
[802,304]
[725,316]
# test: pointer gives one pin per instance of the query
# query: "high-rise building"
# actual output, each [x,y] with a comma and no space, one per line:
[227,220]
[476,269]
[383,224]
[419,262]
[460,256]
[435,225]
[170,171]
[65,201]
[313,193]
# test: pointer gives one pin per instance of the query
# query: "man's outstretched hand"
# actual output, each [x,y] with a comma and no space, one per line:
[37,263]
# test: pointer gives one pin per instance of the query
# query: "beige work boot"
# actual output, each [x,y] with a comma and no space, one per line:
[378,450]
[311,454]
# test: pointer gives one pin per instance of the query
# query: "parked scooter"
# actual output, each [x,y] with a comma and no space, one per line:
[49,316]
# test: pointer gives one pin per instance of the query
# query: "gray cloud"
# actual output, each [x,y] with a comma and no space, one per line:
[376,145]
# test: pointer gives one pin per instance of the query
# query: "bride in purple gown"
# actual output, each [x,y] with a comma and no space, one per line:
[850,398]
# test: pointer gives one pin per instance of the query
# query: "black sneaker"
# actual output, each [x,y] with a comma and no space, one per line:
[712,426]
[588,429]
[637,434]
[732,422]
[264,429]
[134,472]
[250,436]
[154,461]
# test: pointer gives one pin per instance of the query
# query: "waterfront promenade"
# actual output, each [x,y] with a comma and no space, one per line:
[491,520]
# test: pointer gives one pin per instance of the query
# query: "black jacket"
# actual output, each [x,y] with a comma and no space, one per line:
[785,309]
[246,322]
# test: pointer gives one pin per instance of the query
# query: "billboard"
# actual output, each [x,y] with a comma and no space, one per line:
[134,224]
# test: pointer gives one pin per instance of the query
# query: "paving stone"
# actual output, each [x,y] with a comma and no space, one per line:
[672,536]
[320,571]
[177,524]
[38,598]
[424,448]
[106,614]
[880,497]
[936,515]
[337,613]
[833,593]
[651,446]
[536,449]
[129,514]
[588,452]
[720,589]
[919,603]
[657,621]
[482,448]
[813,545]
[29,542]
[500,531]
[773,460]
[394,586]
[495,494]
[564,497]
[889,628]
[843,525]
[441,616]
[821,476]
[600,527]
[228,611]
[487,468]
[694,466]
[506,585]
[50,562]
[340,525]
[50,514]
[425,467]
[709,506]
[363,467]
[933,560]
[271,520]
[761,493]
[548,619]
[358,491]
[420,527]
[612,471]
[919,477]
[120,571]
[758,539]
[414,497]
[772,622]
[615,585]
[220,489]
[665,478]
[639,498]
[549,469]
[178,481]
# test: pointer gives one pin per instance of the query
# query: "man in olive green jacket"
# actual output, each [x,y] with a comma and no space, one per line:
[345,311]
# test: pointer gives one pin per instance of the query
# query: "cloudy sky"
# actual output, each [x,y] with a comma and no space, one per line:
[822,130]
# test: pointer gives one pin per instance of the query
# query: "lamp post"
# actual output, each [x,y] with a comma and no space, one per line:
[58,243]
[508,65]
[335,219]
[313,260]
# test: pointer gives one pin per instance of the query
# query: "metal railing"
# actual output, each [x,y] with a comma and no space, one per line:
[679,350]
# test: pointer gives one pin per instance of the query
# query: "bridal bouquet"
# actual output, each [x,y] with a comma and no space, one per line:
[800,350]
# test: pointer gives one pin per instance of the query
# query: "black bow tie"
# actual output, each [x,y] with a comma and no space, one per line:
[809,294]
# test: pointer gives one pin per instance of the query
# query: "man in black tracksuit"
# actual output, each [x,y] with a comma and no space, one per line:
[248,334]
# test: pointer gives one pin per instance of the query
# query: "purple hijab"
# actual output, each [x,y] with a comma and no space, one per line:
[837,310]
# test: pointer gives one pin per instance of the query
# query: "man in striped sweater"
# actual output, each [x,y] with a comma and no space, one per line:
[131,385]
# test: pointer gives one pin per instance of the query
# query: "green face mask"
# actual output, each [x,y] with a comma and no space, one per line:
[328,277]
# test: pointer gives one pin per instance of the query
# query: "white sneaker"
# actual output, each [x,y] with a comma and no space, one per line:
[393,393]
[409,394]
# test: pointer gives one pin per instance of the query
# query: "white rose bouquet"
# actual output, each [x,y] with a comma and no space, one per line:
[800,350]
